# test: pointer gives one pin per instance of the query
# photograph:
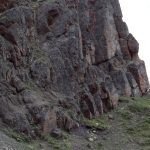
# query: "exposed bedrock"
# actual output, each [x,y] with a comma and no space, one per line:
[62,59]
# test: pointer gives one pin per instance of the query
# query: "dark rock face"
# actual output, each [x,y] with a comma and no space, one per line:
[61,59]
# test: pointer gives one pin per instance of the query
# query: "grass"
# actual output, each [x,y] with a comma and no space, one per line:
[125,114]
[39,55]
[131,119]
[59,144]
[141,132]
[136,119]
[100,123]
[140,104]
[20,137]
[124,99]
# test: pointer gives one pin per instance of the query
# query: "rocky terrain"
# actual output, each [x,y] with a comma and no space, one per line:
[62,61]
[124,128]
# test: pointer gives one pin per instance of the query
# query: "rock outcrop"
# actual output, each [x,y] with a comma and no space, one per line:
[62,59]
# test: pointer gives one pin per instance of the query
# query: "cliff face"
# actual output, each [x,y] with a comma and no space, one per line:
[62,59]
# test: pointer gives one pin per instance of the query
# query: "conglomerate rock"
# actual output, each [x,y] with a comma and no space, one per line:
[62,59]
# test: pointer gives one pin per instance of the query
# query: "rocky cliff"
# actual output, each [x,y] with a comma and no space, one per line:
[61,60]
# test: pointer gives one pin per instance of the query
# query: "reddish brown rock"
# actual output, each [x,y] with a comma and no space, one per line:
[138,71]
[121,28]
[88,105]
[65,122]
[133,44]
[49,123]
[6,4]
[124,48]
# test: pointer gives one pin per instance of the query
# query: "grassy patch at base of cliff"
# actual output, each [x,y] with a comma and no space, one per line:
[141,132]
[59,144]
[126,127]
[20,137]
[140,104]
[100,123]
[136,120]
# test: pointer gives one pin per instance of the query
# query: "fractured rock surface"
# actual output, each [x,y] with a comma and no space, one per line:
[64,58]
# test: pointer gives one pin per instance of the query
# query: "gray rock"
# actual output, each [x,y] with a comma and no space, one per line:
[62,59]
[56,133]
[133,44]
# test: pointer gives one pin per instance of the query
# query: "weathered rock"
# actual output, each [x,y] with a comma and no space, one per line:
[65,122]
[18,84]
[40,73]
[6,4]
[61,59]
[88,100]
[121,28]
[139,73]
[50,122]
[123,87]
[124,48]
[109,95]
[56,133]
[133,44]
[133,84]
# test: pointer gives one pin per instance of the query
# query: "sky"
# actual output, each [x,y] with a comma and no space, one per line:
[136,13]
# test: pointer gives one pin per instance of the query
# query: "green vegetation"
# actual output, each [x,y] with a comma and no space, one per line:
[125,114]
[59,144]
[124,99]
[51,1]
[140,104]
[99,146]
[39,55]
[136,120]
[20,137]
[141,132]
[100,123]
[129,124]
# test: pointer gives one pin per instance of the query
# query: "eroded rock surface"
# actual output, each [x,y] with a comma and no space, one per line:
[62,59]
